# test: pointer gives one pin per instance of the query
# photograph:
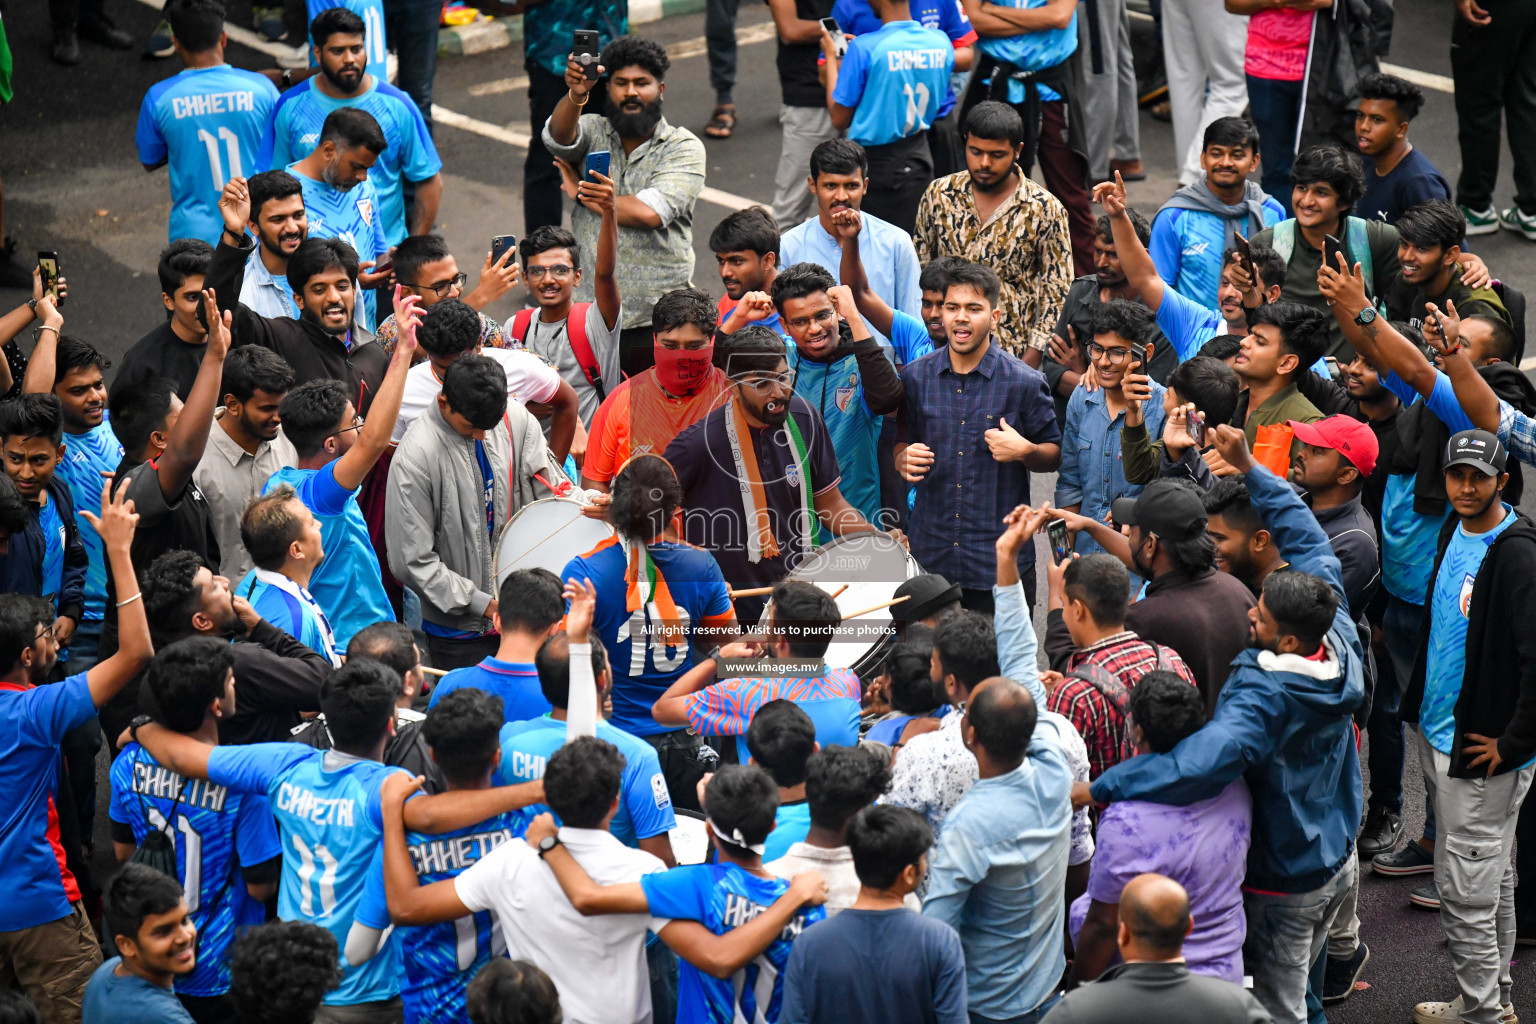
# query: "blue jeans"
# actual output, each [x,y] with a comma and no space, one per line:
[1400,622]
[411,25]
[720,41]
[1032,1017]
[84,646]
[1275,107]
[662,963]
[1287,936]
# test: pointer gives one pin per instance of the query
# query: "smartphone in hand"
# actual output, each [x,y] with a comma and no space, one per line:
[48,263]
[499,246]
[1195,426]
[839,41]
[587,51]
[599,161]
[1061,540]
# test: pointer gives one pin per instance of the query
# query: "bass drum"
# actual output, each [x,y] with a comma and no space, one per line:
[867,568]
[546,534]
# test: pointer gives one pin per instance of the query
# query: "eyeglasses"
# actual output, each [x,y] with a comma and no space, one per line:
[47,632]
[765,384]
[1116,356]
[559,272]
[800,323]
[357,424]
[442,288]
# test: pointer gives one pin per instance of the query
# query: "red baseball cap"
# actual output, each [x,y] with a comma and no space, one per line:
[1344,434]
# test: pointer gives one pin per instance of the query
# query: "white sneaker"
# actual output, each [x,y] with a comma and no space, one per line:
[1450,1013]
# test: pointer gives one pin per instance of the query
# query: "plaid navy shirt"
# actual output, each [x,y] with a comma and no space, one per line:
[961,502]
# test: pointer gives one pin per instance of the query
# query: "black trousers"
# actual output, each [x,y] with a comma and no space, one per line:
[448,654]
[543,202]
[66,13]
[637,349]
[982,601]
[899,173]
[1494,66]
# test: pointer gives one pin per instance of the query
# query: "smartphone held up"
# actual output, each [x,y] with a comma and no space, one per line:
[1060,540]
[48,267]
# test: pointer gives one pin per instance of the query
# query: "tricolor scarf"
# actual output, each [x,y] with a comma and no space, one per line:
[647,588]
[754,499]
[304,597]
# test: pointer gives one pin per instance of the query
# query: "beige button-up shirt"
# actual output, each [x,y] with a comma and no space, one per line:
[229,477]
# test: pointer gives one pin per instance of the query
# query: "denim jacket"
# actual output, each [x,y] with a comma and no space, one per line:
[1091,475]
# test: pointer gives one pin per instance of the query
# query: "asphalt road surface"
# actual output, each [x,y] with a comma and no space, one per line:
[73,183]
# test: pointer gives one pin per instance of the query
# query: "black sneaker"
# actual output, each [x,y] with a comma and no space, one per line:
[1340,976]
[1380,833]
[66,47]
[1412,859]
[104,32]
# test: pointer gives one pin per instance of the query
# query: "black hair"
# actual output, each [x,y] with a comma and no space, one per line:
[808,614]
[1168,709]
[1003,717]
[977,277]
[967,646]
[171,593]
[645,495]
[268,527]
[912,691]
[311,413]
[546,237]
[353,128]
[476,388]
[186,677]
[1229,499]
[511,992]
[799,281]
[531,600]
[138,891]
[582,780]
[1101,582]
[20,617]
[1222,347]
[554,666]
[464,731]
[740,799]
[1503,341]
[1192,554]
[389,643]
[336,21]
[1407,97]
[753,349]
[252,368]
[885,841]
[1139,224]
[279,972]
[935,274]
[1130,320]
[993,121]
[183,258]
[1163,937]
[1302,605]
[1434,223]
[317,255]
[358,701]
[16,1008]
[781,738]
[683,306]
[1304,331]
[636,51]
[33,415]
[450,328]
[839,156]
[139,411]
[15,516]
[1267,263]
[749,230]
[74,354]
[270,185]
[1209,383]
[196,24]
[1331,163]
[415,252]
[842,781]
[1230,131]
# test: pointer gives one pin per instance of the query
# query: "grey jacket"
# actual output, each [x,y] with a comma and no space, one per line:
[434,519]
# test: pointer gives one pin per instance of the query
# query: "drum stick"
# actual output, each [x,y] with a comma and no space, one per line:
[839,591]
[433,671]
[874,608]
[752,592]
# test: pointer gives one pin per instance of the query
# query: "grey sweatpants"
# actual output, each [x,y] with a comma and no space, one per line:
[804,129]
[1109,96]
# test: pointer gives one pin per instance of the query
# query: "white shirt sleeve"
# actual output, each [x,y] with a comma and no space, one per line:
[655,200]
[529,378]
[477,884]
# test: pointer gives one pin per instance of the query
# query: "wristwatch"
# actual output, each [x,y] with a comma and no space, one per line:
[1365,316]
[133,726]
[546,844]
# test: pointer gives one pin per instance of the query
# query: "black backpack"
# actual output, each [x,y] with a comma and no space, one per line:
[158,850]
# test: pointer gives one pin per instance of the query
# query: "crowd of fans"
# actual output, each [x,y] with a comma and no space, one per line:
[369,762]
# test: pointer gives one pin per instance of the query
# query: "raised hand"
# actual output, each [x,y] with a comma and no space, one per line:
[576,80]
[578,619]
[1232,446]
[218,326]
[496,279]
[596,195]
[118,520]
[1342,285]
[1111,196]
[1068,353]
[1442,329]
[407,319]
[755,307]
[235,206]
[847,223]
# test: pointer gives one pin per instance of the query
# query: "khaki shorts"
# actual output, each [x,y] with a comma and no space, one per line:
[51,963]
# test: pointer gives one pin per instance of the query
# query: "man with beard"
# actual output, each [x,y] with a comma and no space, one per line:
[1283,722]
[408,155]
[772,440]
[746,248]
[325,341]
[658,169]
[993,214]
[245,446]
[279,222]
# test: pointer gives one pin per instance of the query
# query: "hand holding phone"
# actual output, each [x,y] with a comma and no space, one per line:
[599,161]
[1061,541]
[1244,254]
[587,51]
[500,245]
[48,266]
[1332,250]
[1194,425]
[839,40]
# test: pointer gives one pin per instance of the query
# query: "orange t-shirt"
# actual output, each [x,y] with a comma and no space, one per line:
[639,417]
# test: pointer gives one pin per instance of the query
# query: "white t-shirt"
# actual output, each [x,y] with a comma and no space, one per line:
[550,342]
[597,963]
[836,867]
[529,379]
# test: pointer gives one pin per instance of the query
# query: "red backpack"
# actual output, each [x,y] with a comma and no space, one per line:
[576,330]
[1117,695]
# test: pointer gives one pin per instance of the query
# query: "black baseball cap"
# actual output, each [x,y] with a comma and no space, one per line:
[924,595]
[1476,448]
[1169,508]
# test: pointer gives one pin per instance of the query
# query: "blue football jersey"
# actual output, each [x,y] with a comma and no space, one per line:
[409,153]
[645,808]
[216,831]
[374,40]
[352,216]
[86,457]
[208,123]
[894,80]
[327,805]
[440,959]
[643,671]
[722,897]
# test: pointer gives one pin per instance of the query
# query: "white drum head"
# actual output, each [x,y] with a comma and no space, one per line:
[546,534]
[867,568]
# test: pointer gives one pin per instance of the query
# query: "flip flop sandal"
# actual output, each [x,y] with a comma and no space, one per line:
[722,122]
